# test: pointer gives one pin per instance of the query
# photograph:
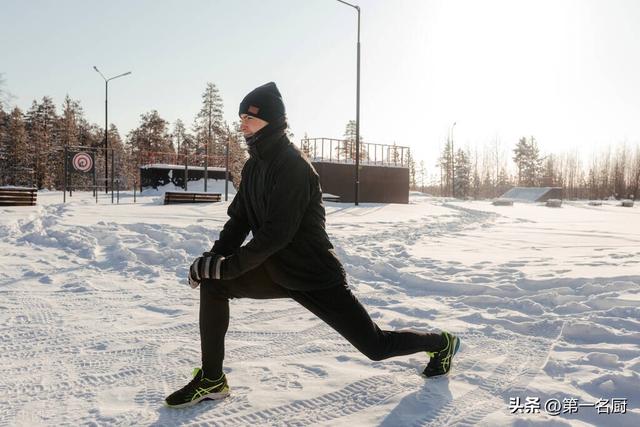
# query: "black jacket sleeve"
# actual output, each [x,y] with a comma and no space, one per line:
[287,205]
[235,230]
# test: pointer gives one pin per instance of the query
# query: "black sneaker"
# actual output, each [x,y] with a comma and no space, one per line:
[198,389]
[440,362]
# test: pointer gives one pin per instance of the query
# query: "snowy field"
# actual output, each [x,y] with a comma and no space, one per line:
[98,324]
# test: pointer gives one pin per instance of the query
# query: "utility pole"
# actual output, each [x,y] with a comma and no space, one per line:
[357,182]
[106,124]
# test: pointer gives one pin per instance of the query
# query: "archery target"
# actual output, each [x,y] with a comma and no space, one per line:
[82,162]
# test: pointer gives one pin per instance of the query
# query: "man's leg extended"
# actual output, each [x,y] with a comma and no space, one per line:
[214,311]
[340,309]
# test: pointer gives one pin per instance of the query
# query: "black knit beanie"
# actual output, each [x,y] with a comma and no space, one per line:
[264,102]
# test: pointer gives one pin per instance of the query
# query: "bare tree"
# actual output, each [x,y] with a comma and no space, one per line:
[635,174]
[422,172]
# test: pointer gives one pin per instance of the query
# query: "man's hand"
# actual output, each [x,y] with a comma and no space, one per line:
[208,266]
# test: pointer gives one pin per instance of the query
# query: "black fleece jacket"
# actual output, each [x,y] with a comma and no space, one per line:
[280,202]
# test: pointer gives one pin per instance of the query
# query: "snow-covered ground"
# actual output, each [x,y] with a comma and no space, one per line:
[98,324]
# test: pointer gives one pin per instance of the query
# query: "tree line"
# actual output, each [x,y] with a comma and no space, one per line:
[611,173]
[32,142]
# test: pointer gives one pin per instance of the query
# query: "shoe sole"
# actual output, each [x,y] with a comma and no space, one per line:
[210,396]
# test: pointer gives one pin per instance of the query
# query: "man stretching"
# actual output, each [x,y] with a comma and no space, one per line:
[289,256]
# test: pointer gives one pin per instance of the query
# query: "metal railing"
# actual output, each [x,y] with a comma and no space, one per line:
[343,151]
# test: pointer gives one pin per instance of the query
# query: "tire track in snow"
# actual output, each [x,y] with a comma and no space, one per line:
[386,249]
[525,356]
[353,398]
[516,370]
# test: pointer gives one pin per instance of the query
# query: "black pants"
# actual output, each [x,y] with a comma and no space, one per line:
[336,306]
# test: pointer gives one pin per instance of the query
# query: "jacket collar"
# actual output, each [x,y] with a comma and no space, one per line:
[266,145]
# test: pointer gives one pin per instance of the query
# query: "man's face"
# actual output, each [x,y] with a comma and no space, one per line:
[250,125]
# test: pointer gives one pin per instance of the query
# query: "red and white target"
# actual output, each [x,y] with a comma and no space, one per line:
[82,162]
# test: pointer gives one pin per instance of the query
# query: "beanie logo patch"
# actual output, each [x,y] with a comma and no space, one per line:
[253,109]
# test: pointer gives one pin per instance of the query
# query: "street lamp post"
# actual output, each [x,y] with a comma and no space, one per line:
[357,183]
[453,162]
[106,123]
[226,167]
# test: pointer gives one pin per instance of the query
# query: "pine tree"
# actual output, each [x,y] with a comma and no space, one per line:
[199,144]
[347,149]
[535,163]
[489,188]
[70,130]
[38,142]
[180,138]
[503,183]
[520,157]
[606,181]
[394,154]
[549,173]
[528,162]
[412,171]
[445,163]
[19,157]
[476,181]
[4,155]
[125,168]
[69,121]
[209,123]
[237,152]
[619,173]
[48,118]
[463,174]
[150,138]
[40,123]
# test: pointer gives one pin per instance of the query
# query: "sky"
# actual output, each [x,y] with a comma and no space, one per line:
[563,71]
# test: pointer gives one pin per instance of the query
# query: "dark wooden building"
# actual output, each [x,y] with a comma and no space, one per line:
[384,170]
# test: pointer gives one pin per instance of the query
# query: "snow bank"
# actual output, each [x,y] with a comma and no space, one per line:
[98,324]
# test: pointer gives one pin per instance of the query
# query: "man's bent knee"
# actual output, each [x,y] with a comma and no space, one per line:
[213,288]
[374,354]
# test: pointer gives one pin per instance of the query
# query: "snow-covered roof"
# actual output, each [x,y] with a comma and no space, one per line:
[15,187]
[527,194]
[168,166]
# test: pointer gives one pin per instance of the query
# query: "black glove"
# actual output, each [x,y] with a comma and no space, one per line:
[207,266]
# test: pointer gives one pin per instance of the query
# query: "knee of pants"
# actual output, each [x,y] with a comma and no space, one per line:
[211,288]
[374,354]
